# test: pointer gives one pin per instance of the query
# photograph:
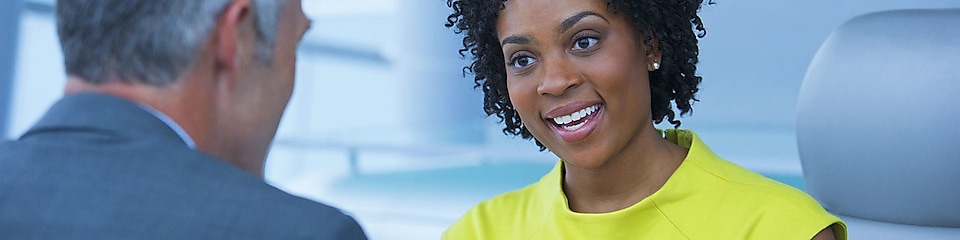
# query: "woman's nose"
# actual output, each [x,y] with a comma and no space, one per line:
[559,76]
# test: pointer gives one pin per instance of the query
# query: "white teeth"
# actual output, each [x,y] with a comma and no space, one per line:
[574,127]
[576,116]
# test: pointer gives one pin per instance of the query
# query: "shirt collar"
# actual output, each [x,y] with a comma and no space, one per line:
[170,123]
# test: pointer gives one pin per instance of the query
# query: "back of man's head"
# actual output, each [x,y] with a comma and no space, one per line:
[146,41]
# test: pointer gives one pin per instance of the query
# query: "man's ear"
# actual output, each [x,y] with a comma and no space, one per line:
[229,34]
[654,55]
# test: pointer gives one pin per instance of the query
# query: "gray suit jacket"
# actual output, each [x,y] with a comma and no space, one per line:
[100,167]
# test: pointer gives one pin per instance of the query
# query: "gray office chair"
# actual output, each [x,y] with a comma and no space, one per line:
[878,125]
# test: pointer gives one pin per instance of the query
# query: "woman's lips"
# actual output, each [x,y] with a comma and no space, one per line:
[577,125]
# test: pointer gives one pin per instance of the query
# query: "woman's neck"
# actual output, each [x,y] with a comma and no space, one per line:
[638,171]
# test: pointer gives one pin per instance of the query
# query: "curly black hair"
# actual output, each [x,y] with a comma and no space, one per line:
[673,23]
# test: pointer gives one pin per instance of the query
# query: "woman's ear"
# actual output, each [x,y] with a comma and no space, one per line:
[653,55]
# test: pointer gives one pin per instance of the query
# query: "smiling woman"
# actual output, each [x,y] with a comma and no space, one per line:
[588,80]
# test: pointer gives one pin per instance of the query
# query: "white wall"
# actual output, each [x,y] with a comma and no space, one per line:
[756,52]
[39,75]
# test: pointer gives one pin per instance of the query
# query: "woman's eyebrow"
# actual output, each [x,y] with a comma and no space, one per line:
[516,39]
[564,26]
[570,21]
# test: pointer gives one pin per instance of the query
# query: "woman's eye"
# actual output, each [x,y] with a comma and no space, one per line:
[584,43]
[522,61]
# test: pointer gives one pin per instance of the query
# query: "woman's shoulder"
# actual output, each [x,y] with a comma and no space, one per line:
[517,209]
[512,201]
[711,185]
[712,174]
[752,191]
[772,208]
[708,172]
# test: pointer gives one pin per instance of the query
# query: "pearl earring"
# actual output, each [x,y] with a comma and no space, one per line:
[656,65]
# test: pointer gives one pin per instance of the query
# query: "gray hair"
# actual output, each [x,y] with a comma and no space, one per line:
[150,41]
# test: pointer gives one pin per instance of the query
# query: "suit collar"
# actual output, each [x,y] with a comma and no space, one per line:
[103,115]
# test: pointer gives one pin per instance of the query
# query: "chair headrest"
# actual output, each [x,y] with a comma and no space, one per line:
[878,118]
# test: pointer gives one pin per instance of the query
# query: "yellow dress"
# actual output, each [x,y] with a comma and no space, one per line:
[706,198]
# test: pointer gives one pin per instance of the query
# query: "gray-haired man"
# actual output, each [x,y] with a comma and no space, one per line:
[169,110]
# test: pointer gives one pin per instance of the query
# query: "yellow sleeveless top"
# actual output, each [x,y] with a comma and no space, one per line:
[706,198]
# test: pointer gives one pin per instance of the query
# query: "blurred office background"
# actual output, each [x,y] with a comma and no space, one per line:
[383,124]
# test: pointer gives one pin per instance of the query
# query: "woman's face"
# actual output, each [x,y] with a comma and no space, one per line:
[577,75]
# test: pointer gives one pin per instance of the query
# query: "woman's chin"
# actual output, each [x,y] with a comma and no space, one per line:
[583,159]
